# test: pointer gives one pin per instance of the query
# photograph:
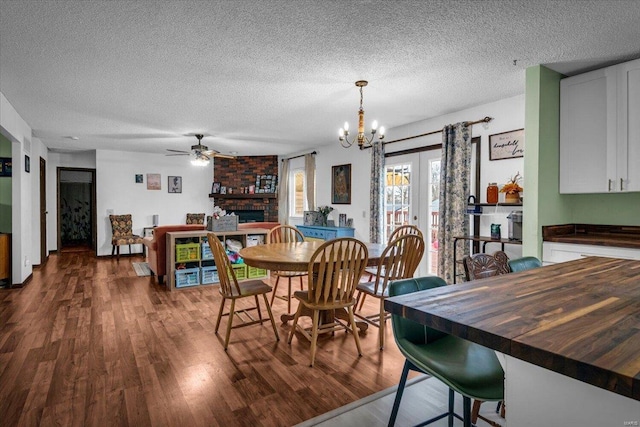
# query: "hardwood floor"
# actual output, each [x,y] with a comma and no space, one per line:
[89,343]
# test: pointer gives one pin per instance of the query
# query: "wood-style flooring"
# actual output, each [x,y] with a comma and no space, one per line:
[89,343]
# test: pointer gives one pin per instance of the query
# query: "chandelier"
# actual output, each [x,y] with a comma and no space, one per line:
[363,141]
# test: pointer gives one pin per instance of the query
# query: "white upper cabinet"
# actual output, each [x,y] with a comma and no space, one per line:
[629,126]
[600,130]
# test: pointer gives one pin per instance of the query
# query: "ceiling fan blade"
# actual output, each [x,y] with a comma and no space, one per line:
[178,154]
[178,151]
[223,156]
[210,152]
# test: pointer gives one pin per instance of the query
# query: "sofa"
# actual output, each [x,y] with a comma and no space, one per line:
[157,247]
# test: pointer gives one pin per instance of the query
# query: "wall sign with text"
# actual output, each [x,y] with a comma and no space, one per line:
[506,145]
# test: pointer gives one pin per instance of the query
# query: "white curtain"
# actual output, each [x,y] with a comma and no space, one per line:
[454,192]
[310,180]
[283,193]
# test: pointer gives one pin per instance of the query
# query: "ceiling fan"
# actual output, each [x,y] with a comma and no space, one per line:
[201,153]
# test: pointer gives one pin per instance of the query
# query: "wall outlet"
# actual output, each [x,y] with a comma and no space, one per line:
[364,214]
[26,261]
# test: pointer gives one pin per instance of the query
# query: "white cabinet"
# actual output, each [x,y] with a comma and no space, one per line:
[629,126]
[554,252]
[600,130]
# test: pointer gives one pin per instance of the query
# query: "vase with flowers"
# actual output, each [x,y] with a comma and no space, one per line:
[512,189]
[324,211]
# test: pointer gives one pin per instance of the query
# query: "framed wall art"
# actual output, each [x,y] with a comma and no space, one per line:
[215,188]
[5,166]
[153,181]
[506,145]
[139,178]
[341,184]
[174,184]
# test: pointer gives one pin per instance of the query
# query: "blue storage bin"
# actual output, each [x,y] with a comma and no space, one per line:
[209,275]
[187,277]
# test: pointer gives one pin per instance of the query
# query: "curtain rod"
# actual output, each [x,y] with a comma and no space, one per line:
[485,120]
[301,155]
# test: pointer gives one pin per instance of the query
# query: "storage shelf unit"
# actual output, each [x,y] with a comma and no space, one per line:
[243,196]
[190,261]
[325,233]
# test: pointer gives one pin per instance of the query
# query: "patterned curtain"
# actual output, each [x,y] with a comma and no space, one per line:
[376,223]
[310,180]
[283,193]
[454,192]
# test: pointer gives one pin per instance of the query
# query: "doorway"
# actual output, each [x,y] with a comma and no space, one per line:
[411,197]
[44,253]
[76,201]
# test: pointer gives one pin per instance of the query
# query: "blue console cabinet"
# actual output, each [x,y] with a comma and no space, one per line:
[325,233]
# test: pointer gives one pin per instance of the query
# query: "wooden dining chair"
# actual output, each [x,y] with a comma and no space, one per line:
[334,270]
[285,234]
[231,289]
[479,266]
[399,260]
[397,232]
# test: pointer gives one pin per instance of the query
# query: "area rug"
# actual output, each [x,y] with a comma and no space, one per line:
[424,397]
[141,268]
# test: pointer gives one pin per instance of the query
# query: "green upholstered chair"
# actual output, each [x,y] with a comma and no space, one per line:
[467,368]
[524,263]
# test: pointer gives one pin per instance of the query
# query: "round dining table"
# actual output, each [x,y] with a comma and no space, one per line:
[295,256]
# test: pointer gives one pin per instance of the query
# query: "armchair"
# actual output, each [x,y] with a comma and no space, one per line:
[157,247]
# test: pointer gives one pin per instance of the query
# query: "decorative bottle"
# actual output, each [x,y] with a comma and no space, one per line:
[492,193]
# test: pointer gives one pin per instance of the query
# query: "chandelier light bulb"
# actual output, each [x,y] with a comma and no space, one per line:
[381,131]
[346,126]
[374,125]
[341,133]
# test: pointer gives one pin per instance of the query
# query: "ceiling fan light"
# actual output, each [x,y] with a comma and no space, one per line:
[199,161]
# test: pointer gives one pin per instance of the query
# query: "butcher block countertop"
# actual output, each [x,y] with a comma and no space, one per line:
[602,235]
[579,318]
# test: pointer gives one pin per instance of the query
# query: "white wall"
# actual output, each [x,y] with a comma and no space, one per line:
[38,150]
[79,159]
[118,191]
[507,114]
[18,132]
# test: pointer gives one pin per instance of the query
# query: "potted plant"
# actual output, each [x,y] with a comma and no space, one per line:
[324,211]
[512,189]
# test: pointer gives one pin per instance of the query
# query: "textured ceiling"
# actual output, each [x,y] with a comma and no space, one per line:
[276,77]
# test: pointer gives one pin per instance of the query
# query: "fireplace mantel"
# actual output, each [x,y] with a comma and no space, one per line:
[243,196]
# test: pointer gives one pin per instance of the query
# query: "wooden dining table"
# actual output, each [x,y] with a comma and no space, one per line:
[295,256]
[569,335]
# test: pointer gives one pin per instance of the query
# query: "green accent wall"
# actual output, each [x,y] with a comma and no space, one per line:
[5,189]
[543,203]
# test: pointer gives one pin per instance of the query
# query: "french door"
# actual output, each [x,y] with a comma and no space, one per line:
[411,197]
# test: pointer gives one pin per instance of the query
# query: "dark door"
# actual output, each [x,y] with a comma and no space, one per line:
[44,253]
[76,201]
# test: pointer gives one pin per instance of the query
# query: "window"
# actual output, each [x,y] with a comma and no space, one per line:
[298,199]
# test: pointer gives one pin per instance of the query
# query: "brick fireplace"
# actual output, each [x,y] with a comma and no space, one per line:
[239,173]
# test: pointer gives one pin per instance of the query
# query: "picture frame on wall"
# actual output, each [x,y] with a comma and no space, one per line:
[215,188]
[27,164]
[153,181]
[139,178]
[174,184]
[506,145]
[5,166]
[341,184]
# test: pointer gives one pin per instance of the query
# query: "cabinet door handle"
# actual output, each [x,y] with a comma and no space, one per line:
[621,182]
[610,184]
